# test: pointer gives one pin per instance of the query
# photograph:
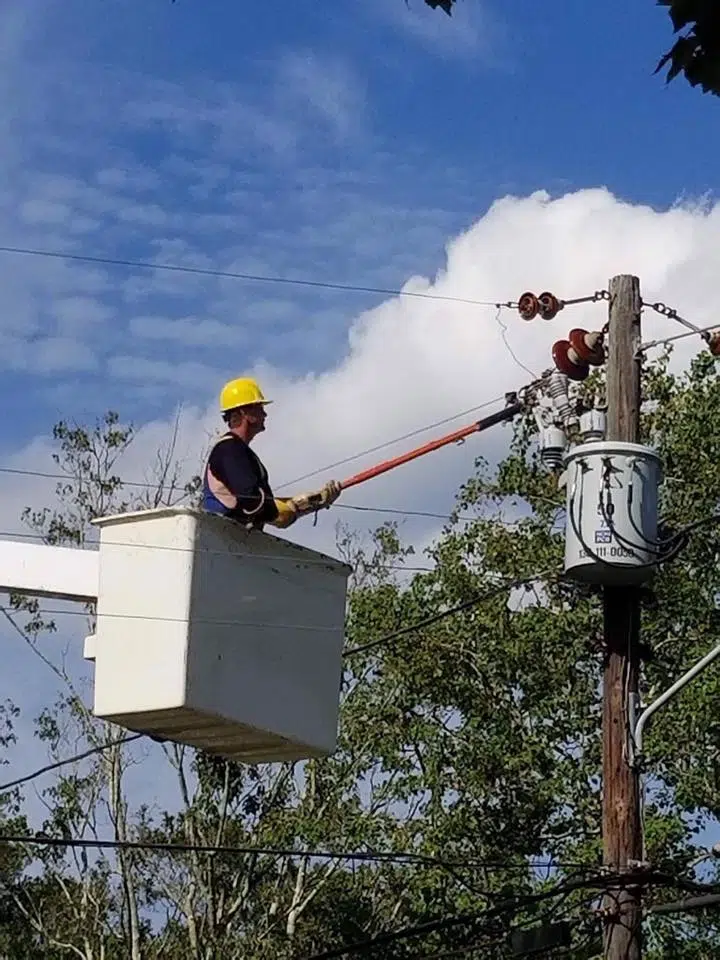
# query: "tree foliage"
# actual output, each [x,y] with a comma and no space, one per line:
[472,743]
[696,53]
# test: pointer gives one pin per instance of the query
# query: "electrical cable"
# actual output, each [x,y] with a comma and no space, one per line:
[676,542]
[299,559]
[396,634]
[145,485]
[8,536]
[91,545]
[370,856]
[437,617]
[467,919]
[390,443]
[678,336]
[547,916]
[508,347]
[601,882]
[596,556]
[258,278]
[396,511]
[74,759]
[664,549]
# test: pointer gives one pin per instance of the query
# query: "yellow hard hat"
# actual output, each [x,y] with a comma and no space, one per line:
[240,393]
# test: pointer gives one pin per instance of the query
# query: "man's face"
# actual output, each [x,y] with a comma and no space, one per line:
[255,416]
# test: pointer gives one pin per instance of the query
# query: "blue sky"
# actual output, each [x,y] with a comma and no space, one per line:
[514,146]
[347,142]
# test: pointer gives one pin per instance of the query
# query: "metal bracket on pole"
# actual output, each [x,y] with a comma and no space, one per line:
[637,738]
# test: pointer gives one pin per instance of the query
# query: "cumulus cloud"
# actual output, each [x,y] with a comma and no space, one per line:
[412,361]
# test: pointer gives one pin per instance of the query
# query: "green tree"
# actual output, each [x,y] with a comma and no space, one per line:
[696,53]
[472,742]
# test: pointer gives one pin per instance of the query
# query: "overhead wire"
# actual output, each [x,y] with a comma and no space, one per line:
[370,856]
[551,915]
[48,768]
[390,443]
[251,277]
[602,882]
[501,521]
[363,648]
[242,276]
[8,535]
[508,347]
[145,484]
[299,559]
[360,508]
[444,614]
[466,919]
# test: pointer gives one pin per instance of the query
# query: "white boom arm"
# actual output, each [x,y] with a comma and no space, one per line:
[37,570]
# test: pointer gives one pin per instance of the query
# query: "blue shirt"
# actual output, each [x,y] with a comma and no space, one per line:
[236,484]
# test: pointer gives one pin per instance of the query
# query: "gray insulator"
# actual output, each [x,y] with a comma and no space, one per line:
[558,392]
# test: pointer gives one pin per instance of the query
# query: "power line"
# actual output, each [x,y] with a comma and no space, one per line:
[7,535]
[170,548]
[397,511]
[508,524]
[444,614]
[369,856]
[387,638]
[74,759]
[389,443]
[467,919]
[17,471]
[602,882]
[254,277]
[145,484]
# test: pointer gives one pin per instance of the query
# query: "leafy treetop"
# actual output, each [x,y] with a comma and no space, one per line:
[696,53]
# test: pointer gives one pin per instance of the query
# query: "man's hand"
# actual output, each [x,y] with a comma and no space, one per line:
[322,498]
[330,492]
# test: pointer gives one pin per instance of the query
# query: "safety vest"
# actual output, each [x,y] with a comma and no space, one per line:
[218,499]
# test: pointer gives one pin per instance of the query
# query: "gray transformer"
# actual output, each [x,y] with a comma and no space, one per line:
[612,512]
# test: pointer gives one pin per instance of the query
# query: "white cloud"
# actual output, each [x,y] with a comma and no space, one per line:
[45,355]
[74,314]
[412,361]
[61,354]
[44,212]
[274,111]
[327,87]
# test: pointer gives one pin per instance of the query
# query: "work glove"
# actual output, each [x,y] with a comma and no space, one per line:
[287,513]
[322,498]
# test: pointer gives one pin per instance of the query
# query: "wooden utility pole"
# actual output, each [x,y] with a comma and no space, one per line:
[622,826]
